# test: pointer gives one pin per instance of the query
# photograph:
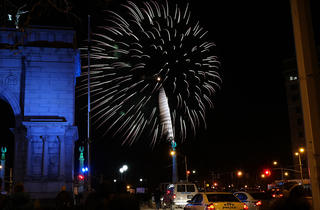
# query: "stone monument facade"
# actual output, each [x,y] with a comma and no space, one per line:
[38,69]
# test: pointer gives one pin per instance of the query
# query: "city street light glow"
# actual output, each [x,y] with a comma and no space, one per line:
[141,180]
[263,175]
[286,173]
[173,153]
[114,180]
[123,168]
[296,153]
[275,163]
[239,173]
[194,171]
[301,150]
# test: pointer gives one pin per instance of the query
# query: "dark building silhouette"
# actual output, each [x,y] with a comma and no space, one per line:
[295,115]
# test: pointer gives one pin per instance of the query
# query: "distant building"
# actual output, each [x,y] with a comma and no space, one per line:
[295,114]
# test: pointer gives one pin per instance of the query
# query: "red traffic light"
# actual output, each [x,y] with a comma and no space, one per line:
[267,172]
[80,177]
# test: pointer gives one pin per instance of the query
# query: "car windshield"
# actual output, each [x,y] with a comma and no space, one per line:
[190,188]
[222,198]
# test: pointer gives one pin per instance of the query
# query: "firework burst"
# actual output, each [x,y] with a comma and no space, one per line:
[149,47]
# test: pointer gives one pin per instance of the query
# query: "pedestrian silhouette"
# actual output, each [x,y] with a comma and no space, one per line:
[19,199]
[3,198]
[64,200]
[157,198]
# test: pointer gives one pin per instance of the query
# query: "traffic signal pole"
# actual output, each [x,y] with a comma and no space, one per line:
[309,78]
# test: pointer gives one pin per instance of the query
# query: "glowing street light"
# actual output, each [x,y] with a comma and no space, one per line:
[123,169]
[239,173]
[172,153]
[275,163]
[301,150]
[194,171]
[286,173]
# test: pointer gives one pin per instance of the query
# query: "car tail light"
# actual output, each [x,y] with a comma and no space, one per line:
[259,203]
[245,207]
[210,207]
[174,196]
[168,192]
[273,195]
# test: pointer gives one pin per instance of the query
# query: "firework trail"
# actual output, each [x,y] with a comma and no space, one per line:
[151,47]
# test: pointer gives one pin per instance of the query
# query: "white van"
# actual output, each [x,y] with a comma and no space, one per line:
[181,192]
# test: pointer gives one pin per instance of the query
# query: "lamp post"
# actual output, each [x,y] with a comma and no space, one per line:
[275,163]
[123,169]
[301,150]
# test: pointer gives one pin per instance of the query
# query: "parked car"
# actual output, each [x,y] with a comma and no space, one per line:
[254,200]
[216,201]
[178,194]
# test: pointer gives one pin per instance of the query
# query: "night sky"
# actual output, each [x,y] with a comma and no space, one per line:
[249,126]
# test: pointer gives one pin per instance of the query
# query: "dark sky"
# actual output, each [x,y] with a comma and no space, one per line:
[249,126]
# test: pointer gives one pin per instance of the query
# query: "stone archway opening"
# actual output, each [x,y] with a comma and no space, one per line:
[7,122]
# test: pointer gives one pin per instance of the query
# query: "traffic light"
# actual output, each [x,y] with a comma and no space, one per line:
[267,172]
[80,177]
[85,169]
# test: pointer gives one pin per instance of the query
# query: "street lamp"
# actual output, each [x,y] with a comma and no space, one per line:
[275,163]
[239,173]
[123,169]
[172,153]
[301,150]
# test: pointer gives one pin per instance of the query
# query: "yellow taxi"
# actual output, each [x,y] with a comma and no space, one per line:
[215,201]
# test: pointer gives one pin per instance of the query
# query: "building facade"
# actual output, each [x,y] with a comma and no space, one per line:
[297,133]
[38,69]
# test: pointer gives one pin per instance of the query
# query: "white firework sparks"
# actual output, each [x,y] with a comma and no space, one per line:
[135,55]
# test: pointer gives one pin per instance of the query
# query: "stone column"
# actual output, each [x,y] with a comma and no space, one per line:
[61,157]
[29,156]
[45,157]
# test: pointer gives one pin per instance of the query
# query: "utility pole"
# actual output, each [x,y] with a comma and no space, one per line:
[186,166]
[309,78]
[88,120]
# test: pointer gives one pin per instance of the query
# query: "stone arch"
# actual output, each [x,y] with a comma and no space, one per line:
[8,140]
[12,100]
